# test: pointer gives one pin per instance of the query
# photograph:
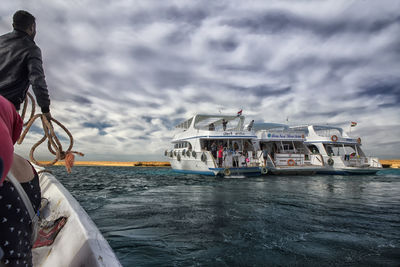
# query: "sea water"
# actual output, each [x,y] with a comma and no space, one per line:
[155,217]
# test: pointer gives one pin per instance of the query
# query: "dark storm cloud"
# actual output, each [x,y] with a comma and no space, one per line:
[143,53]
[389,87]
[262,90]
[181,35]
[134,70]
[244,68]
[82,100]
[190,15]
[275,21]
[97,125]
[172,78]
[227,45]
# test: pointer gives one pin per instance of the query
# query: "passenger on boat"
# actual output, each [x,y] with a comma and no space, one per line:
[250,126]
[15,224]
[22,64]
[224,123]
[220,156]
[214,149]
[265,155]
[211,127]
[10,129]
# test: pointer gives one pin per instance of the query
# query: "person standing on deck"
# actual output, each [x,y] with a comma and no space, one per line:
[224,123]
[220,156]
[214,149]
[265,155]
[21,64]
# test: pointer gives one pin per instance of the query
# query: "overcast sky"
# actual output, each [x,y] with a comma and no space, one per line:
[121,74]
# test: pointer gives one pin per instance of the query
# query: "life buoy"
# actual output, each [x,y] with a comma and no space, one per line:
[178,157]
[359,140]
[227,172]
[264,170]
[188,153]
[330,161]
[194,154]
[291,162]
[203,157]
[334,138]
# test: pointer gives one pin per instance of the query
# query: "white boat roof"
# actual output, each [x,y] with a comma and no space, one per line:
[268,126]
[317,127]
[206,119]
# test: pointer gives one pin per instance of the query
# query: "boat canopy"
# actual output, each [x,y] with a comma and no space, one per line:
[202,121]
[269,126]
[185,124]
[318,128]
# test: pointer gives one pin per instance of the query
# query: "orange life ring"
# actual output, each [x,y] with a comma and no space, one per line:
[291,162]
[334,138]
[359,140]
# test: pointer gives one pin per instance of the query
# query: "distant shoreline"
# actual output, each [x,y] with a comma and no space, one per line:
[115,163]
[390,163]
[386,163]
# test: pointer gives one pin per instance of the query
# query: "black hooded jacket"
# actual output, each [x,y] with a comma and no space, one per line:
[21,65]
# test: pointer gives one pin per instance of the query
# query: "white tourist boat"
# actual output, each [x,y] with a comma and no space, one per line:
[79,242]
[195,138]
[287,153]
[342,154]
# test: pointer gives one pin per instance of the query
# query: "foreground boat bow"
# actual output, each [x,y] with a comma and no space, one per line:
[78,242]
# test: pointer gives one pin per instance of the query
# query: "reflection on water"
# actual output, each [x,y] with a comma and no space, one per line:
[154,217]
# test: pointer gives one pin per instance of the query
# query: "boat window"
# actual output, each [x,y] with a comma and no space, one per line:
[313,149]
[329,150]
[328,132]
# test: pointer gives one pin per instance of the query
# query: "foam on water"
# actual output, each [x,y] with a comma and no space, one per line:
[155,217]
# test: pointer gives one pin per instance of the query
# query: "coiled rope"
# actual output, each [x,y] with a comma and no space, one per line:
[53,143]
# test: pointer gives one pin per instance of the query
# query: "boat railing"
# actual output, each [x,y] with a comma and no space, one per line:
[357,162]
[289,159]
[374,162]
[210,156]
[316,159]
[270,161]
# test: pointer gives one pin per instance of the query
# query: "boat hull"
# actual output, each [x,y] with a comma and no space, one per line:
[293,170]
[349,171]
[79,242]
[208,167]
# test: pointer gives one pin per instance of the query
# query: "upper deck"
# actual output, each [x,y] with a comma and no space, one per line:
[326,134]
[212,126]
[278,132]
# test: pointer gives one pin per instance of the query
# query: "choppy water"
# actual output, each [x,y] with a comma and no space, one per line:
[155,217]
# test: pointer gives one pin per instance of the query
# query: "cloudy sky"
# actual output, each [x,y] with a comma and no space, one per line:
[123,73]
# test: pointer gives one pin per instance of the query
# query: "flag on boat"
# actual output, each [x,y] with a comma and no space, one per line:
[239,112]
[353,124]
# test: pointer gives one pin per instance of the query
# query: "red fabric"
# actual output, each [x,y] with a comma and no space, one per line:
[46,236]
[10,130]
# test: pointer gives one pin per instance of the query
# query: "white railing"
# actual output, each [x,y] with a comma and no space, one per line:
[357,162]
[317,159]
